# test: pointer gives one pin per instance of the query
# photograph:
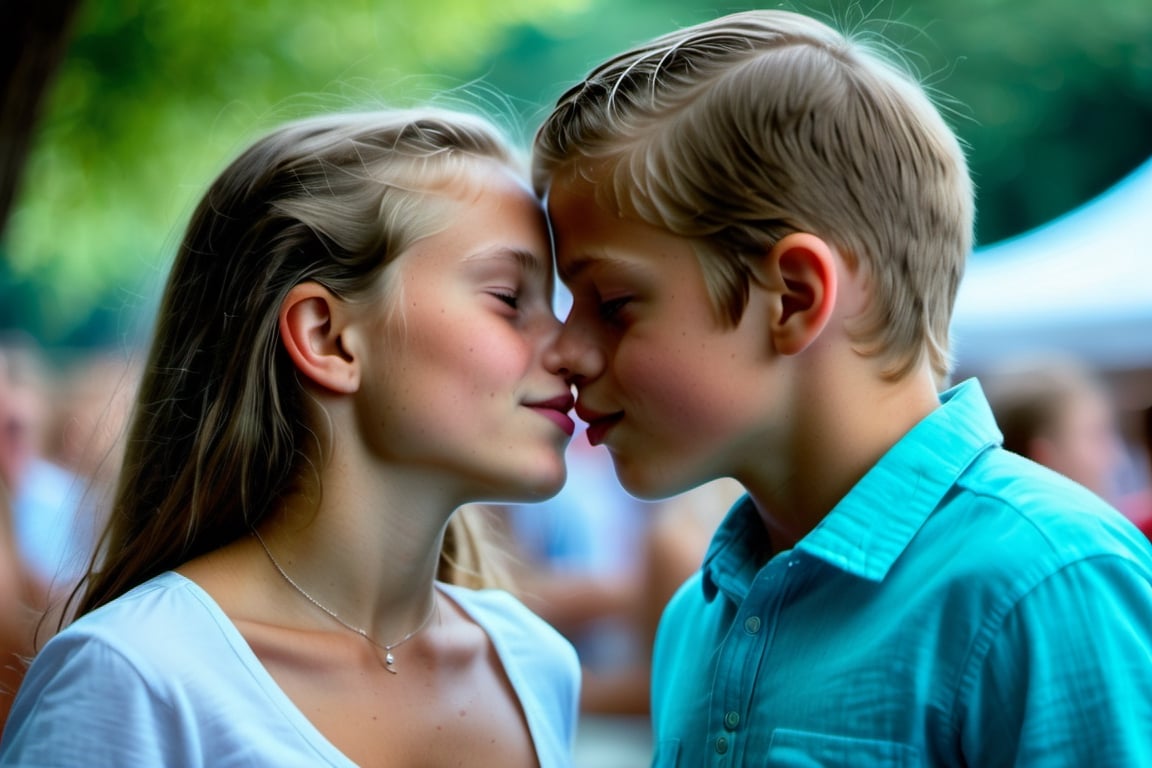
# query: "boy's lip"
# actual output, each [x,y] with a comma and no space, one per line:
[597,430]
[598,423]
[556,409]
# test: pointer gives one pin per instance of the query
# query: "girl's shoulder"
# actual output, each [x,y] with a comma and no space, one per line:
[159,611]
[513,627]
[163,630]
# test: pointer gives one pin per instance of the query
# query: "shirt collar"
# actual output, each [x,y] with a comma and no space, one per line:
[872,525]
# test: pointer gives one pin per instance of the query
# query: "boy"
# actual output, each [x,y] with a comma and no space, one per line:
[763,225]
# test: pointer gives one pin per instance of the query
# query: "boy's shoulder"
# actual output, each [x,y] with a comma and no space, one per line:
[1026,507]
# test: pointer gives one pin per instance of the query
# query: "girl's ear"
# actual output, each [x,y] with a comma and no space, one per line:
[312,322]
[803,270]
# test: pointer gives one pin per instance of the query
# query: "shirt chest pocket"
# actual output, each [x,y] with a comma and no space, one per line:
[804,749]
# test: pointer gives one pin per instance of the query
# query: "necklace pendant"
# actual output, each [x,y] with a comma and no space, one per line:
[389,660]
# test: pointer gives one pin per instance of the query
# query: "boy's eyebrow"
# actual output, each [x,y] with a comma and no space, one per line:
[574,267]
[577,265]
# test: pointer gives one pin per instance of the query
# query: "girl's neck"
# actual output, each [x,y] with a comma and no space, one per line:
[371,560]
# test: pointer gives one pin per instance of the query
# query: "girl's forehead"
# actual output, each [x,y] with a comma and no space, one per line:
[471,176]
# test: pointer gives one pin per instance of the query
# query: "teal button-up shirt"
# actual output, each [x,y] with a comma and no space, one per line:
[961,606]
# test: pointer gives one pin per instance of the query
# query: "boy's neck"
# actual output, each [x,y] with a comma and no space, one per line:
[836,435]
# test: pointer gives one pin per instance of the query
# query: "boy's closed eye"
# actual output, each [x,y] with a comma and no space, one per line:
[610,309]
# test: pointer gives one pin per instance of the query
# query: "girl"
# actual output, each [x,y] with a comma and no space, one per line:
[348,349]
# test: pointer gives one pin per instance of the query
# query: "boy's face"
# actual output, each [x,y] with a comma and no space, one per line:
[678,398]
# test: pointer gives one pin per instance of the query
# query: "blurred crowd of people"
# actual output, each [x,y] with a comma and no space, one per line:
[595,562]
[1061,413]
[60,426]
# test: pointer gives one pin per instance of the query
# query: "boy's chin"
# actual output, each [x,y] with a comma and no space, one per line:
[647,483]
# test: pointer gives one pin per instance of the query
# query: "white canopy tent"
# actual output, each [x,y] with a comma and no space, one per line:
[1080,285]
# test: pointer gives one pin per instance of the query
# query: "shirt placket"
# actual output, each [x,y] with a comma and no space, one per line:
[746,647]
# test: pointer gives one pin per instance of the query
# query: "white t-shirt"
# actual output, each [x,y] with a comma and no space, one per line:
[161,676]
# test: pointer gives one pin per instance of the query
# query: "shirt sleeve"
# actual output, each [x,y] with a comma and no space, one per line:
[84,702]
[1067,679]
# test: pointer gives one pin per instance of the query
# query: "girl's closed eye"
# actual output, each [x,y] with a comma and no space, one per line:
[511,298]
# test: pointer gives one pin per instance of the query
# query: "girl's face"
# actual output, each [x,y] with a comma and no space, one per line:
[456,388]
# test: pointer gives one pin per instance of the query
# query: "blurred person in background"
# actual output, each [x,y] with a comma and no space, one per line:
[1137,504]
[580,557]
[49,513]
[93,398]
[1057,411]
[600,565]
[20,609]
[22,596]
[23,397]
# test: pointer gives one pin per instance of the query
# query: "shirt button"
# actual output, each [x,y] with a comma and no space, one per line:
[731,720]
[752,625]
[721,745]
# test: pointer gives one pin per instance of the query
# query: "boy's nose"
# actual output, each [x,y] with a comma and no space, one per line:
[574,356]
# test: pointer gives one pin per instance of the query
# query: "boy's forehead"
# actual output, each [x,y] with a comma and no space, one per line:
[577,222]
[570,193]
[591,231]
[586,183]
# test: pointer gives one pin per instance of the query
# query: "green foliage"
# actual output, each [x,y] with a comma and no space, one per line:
[154,97]
[1053,98]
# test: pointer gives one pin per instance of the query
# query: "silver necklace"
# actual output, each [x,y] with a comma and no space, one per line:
[389,659]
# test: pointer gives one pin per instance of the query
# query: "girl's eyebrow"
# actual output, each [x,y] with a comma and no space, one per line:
[528,261]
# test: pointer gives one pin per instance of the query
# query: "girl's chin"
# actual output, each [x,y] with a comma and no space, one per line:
[541,490]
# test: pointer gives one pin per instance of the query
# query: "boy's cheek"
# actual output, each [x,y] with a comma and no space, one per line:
[685,392]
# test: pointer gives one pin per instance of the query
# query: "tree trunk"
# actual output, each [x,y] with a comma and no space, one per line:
[33,40]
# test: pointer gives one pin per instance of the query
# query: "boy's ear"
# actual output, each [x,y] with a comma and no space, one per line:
[803,271]
[312,324]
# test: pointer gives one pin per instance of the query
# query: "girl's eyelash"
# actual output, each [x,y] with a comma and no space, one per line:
[509,298]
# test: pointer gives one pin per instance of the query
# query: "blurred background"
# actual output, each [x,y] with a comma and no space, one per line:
[116,115]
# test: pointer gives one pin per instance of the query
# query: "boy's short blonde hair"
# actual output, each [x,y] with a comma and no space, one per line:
[739,131]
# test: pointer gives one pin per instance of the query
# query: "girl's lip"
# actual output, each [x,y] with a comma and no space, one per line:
[559,418]
[556,410]
[598,429]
